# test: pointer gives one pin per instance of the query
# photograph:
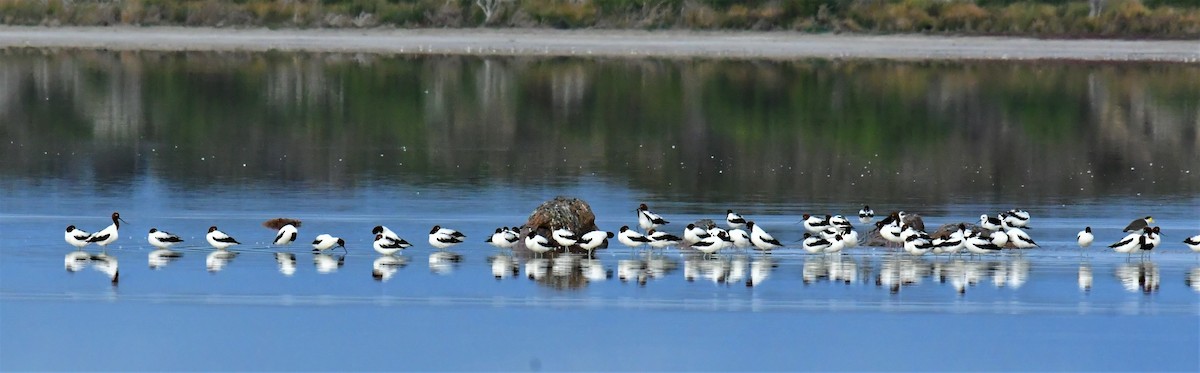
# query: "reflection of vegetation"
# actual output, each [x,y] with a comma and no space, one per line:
[700,130]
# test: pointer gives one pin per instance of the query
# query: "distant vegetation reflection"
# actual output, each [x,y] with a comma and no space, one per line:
[700,130]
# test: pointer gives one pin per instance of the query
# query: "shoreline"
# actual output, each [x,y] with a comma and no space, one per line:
[599,43]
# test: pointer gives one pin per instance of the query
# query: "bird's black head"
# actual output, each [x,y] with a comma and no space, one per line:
[610,234]
[691,226]
[341,242]
[377,230]
[865,207]
[212,229]
[1087,229]
[70,228]
[152,230]
[623,228]
[643,207]
[378,237]
[750,224]
[728,211]
[435,229]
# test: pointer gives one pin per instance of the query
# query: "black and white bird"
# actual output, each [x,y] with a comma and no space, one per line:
[564,238]
[739,238]
[218,239]
[1193,243]
[693,234]
[990,223]
[387,246]
[108,234]
[814,224]
[77,237]
[592,240]
[760,238]
[814,244]
[866,215]
[734,220]
[1084,238]
[325,242]
[711,244]
[286,235]
[976,244]
[838,221]
[162,239]
[536,243]
[631,238]
[1016,218]
[649,220]
[1018,237]
[387,233]
[660,239]
[504,238]
[1137,224]
[443,238]
[1130,242]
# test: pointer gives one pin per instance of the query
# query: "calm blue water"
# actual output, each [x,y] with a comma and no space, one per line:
[181,142]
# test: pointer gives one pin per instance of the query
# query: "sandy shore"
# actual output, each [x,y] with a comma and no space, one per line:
[776,45]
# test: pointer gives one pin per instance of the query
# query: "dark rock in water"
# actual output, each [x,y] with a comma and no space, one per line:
[277,223]
[945,230]
[561,212]
[874,239]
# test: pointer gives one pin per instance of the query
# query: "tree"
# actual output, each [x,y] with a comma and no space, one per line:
[489,7]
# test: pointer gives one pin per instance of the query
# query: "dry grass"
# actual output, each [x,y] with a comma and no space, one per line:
[1119,18]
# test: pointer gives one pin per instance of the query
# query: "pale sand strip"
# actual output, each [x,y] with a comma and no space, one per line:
[537,42]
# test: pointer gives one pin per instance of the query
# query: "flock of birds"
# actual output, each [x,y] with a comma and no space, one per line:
[829,234]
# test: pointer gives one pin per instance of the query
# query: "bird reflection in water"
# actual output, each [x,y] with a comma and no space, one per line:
[835,268]
[1141,276]
[1085,277]
[287,263]
[897,272]
[386,266]
[443,262]
[504,266]
[710,268]
[641,269]
[218,259]
[593,270]
[327,264]
[1193,279]
[760,270]
[159,258]
[106,264]
[77,260]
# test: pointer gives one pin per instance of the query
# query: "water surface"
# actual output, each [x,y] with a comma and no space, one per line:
[182,141]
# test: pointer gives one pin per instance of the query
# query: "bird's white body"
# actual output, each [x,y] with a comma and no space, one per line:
[108,234]
[1193,243]
[989,223]
[325,242]
[836,244]
[537,243]
[631,238]
[709,244]
[761,239]
[815,224]
[734,220]
[866,215]
[218,239]
[740,238]
[999,238]
[592,240]
[814,244]
[162,239]
[850,237]
[1020,239]
[504,238]
[649,220]
[286,235]
[660,239]
[978,245]
[388,233]
[387,246]
[1085,237]
[564,237]
[891,233]
[694,234]
[443,238]
[77,237]
[1128,244]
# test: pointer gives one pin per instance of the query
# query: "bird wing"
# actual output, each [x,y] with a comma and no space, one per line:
[1123,242]
[97,237]
[225,239]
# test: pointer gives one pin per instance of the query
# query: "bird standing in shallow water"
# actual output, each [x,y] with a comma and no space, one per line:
[631,238]
[386,246]
[649,220]
[734,220]
[866,215]
[286,235]
[326,242]
[109,234]
[162,239]
[77,237]
[219,239]
[443,238]
[1085,238]
[761,239]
